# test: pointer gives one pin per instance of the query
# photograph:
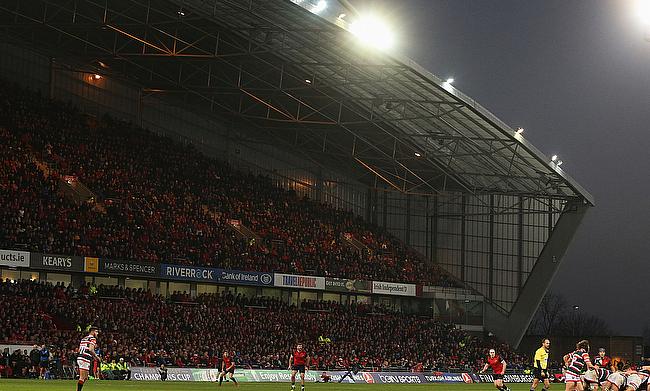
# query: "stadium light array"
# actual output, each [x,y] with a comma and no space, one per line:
[373,31]
[319,7]
[643,11]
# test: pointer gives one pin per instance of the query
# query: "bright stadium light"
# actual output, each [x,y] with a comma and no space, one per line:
[553,158]
[559,163]
[519,130]
[450,80]
[417,154]
[372,31]
[643,11]
[319,7]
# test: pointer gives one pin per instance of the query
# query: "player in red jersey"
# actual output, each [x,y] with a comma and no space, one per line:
[298,363]
[87,355]
[227,367]
[498,366]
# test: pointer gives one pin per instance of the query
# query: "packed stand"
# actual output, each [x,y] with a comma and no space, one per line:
[147,329]
[163,201]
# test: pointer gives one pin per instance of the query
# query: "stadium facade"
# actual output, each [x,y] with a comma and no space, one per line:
[281,88]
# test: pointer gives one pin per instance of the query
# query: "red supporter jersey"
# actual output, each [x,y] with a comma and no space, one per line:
[496,364]
[299,357]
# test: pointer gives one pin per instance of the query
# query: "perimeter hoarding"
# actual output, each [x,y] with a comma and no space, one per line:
[304,282]
[347,286]
[191,273]
[393,288]
[13,258]
[56,262]
[284,376]
[238,277]
[127,268]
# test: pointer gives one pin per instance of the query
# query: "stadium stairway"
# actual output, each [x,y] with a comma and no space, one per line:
[71,187]
[354,243]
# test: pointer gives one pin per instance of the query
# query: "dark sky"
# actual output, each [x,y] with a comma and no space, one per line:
[576,75]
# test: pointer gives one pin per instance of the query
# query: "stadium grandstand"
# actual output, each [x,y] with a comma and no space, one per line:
[172,158]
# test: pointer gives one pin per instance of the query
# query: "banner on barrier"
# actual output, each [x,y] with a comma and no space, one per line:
[508,378]
[56,262]
[238,277]
[293,281]
[128,268]
[282,376]
[393,288]
[193,273]
[345,285]
[14,258]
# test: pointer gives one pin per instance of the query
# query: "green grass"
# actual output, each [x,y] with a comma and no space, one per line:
[69,385]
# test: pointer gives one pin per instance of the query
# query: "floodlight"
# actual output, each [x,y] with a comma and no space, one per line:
[319,7]
[553,158]
[450,80]
[372,31]
[643,11]
[519,130]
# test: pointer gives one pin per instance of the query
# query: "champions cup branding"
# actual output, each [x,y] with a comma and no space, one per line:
[14,258]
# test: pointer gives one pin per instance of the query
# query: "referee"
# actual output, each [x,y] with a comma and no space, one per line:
[540,366]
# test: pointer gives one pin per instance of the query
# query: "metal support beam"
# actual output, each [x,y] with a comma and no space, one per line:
[512,327]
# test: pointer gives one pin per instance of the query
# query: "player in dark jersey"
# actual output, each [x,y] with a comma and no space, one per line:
[577,363]
[602,360]
[298,363]
[87,355]
[227,367]
[498,366]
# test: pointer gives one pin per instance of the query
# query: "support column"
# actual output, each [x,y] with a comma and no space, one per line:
[462,237]
[511,327]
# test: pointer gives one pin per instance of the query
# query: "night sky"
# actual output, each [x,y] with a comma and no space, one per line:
[576,75]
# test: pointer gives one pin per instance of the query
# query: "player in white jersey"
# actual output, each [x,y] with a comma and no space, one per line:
[638,380]
[617,380]
[87,355]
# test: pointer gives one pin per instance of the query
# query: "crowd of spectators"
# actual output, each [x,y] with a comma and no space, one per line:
[147,329]
[162,200]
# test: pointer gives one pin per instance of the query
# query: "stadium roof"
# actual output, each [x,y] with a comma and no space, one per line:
[295,77]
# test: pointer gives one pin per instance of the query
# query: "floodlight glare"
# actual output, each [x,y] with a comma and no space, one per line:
[553,158]
[559,163]
[417,154]
[372,31]
[519,130]
[319,7]
[450,80]
[643,11]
